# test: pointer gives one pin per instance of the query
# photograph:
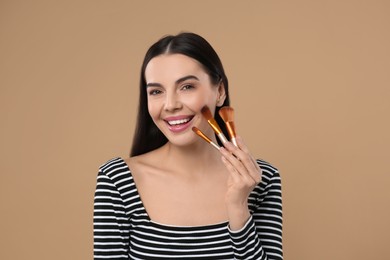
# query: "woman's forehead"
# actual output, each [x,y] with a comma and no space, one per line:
[172,67]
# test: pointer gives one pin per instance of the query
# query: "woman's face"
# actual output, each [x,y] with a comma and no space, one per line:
[177,89]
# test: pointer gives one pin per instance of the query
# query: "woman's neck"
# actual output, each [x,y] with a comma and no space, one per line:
[199,157]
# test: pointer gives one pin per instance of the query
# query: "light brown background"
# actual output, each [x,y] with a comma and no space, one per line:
[309,80]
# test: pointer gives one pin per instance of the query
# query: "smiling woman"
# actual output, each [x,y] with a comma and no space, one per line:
[178,88]
[176,196]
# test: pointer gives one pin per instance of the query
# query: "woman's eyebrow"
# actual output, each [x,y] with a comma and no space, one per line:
[153,84]
[186,78]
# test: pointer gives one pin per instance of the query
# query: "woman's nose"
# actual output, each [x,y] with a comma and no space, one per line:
[172,102]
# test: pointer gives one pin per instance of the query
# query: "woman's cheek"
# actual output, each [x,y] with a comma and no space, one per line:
[152,110]
[197,102]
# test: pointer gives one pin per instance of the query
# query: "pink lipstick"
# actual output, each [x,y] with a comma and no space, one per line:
[178,124]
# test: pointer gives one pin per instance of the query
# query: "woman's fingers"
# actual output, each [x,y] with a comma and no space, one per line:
[245,174]
[244,148]
[256,168]
[243,161]
[233,172]
[234,161]
[240,179]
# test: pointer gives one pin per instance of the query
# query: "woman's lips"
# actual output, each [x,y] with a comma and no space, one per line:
[179,123]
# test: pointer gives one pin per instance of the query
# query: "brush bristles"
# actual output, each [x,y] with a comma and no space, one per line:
[213,123]
[201,134]
[206,113]
[210,119]
[205,137]
[227,114]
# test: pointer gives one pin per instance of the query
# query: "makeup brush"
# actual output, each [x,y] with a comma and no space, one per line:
[210,119]
[201,134]
[227,115]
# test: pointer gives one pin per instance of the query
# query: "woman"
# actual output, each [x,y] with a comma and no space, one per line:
[177,196]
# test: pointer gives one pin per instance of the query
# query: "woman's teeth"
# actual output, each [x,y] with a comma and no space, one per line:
[178,122]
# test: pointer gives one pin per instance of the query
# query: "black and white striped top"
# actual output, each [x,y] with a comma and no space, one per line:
[123,229]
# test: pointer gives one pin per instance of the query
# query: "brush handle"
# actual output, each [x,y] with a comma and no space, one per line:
[222,137]
[204,137]
[232,132]
[234,141]
[215,146]
[217,130]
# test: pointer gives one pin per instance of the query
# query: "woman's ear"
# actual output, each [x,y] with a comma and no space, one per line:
[221,94]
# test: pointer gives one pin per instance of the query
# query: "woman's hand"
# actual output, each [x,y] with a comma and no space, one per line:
[245,174]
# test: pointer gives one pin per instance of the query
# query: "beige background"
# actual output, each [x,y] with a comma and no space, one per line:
[309,81]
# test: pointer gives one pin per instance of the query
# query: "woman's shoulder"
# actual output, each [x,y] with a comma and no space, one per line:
[115,175]
[270,185]
[118,164]
[267,167]
[115,181]
[145,162]
[112,164]
[269,172]
[115,169]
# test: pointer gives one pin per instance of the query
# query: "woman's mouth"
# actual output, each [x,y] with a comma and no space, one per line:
[178,124]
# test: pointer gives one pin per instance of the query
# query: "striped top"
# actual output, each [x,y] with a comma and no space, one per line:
[123,229]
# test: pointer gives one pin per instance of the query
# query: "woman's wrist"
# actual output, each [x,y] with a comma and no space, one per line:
[238,216]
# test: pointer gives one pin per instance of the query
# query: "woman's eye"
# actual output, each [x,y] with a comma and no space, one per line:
[154,92]
[187,87]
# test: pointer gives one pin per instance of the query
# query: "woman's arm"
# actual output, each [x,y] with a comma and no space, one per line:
[254,207]
[261,237]
[111,226]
